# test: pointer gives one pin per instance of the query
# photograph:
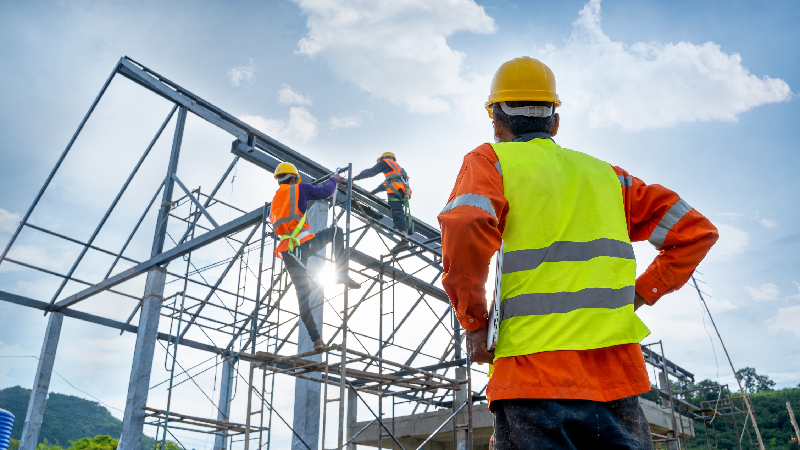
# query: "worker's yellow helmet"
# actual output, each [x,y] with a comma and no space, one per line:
[385,154]
[284,168]
[523,79]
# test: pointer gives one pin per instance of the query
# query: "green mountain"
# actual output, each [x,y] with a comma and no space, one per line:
[67,418]
[771,415]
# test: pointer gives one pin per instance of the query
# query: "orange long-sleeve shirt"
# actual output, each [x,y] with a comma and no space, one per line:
[471,235]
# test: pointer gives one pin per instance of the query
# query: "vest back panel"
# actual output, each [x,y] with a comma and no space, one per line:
[568,266]
[285,216]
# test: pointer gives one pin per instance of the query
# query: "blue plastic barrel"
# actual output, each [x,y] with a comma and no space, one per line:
[6,422]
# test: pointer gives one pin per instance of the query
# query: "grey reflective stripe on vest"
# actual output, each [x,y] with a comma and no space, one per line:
[292,206]
[288,219]
[673,216]
[559,251]
[476,200]
[626,182]
[564,302]
[499,170]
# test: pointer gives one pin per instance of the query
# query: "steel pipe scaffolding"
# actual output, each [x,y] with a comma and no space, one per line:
[213,287]
[375,362]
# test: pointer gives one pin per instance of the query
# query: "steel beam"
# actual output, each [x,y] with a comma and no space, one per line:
[243,132]
[91,318]
[390,272]
[41,384]
[223,231]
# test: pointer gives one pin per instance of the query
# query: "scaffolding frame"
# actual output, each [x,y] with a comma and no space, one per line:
[254,323]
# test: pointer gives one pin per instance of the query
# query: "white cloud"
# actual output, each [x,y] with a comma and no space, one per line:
[397,50]
[795,296]
[345,122]
[720,305]
[8,221]
[766,293]
[245,73]
[288,96]
[785,320]
[652,85]
[733,216]
[766,223]
[732,242]
[301,126]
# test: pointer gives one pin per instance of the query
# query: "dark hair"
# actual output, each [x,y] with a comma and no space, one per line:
[522,124]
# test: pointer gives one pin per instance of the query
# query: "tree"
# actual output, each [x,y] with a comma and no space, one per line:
[100,442]
[170,446]
[753,382]
[44,445]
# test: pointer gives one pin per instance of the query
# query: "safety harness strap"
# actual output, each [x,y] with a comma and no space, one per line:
[292,237]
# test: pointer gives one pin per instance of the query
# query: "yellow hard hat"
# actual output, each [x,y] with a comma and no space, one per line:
[284,168]
[390,154]
[523,79]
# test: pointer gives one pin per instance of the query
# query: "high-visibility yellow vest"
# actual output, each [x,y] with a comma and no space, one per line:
[568,266]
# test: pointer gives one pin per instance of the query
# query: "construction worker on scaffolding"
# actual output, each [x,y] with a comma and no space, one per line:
[398,192]
[567,365]
[296,243]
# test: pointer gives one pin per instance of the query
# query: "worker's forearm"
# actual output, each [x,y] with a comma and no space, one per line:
[467,248]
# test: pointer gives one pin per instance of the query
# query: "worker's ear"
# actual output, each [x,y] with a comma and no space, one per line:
[554,127]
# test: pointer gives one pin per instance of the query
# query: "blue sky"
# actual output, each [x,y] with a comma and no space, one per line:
[698,96]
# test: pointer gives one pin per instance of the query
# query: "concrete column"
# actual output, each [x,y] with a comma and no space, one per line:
[306,419]
[462,419]
[667,404]
[224,405]
[139,383]
[41,383]
[352,416]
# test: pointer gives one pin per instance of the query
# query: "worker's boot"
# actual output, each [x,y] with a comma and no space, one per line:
[402,245]
[344,279]
[319,344]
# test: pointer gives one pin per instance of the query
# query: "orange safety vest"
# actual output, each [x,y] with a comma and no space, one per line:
[288,222]
[394,180]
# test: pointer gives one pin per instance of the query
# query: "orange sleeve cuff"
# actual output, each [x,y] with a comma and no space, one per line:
[650,288]
[472,323]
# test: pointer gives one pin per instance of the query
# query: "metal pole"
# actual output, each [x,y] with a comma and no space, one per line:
[794,422]
[177,342]
[56,167]
[342,383]
[139,384]
[41,383]
[254,319]
[671,401]
[738,381]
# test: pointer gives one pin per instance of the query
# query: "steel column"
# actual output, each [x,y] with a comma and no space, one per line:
[224,406]
[139,384]
[41,384]
[352,417]
[307,393]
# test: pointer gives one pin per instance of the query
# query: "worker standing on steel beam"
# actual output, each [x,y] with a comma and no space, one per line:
[398,192]
[296,243]
[567,365]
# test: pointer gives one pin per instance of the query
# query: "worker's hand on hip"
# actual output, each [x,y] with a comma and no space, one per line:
[337,177]
[638,301]
[476,346]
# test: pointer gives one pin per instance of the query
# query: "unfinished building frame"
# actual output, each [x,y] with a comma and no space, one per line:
[250,325]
